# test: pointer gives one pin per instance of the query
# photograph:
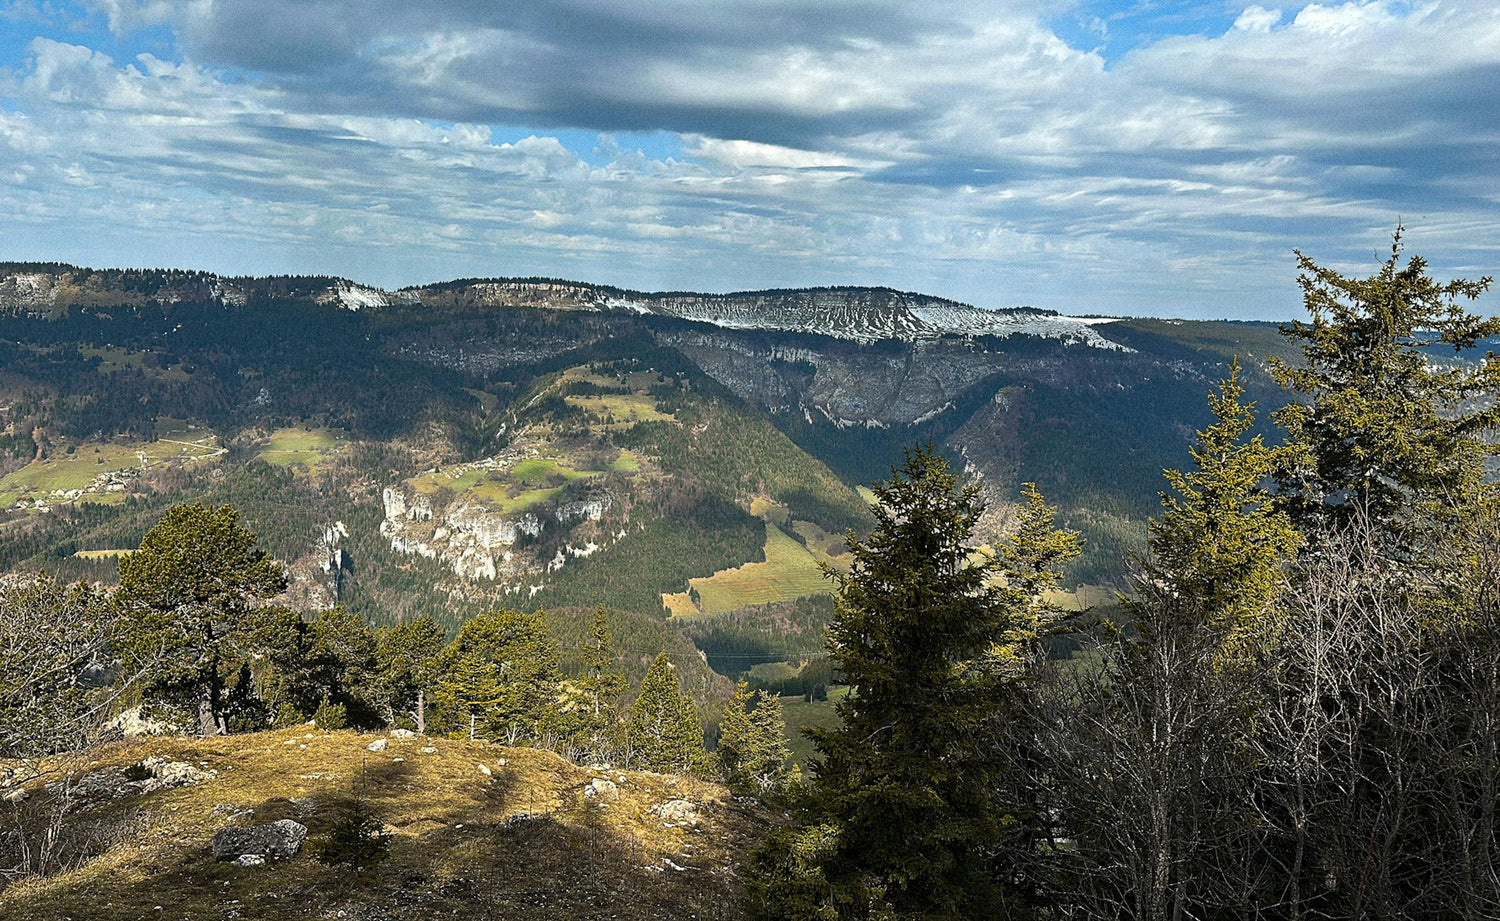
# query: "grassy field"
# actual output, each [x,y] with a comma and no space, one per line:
[818,713]
[112,359]
[457,847]
[788,572]
[530,482]
[51,479]
[289,446]
[102,554]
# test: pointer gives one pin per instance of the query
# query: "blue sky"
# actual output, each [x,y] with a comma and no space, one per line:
[1093,157]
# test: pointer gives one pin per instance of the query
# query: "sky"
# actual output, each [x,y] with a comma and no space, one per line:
[1099,156]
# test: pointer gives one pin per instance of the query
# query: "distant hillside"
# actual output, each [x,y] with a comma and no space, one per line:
[859,314]
[456,447]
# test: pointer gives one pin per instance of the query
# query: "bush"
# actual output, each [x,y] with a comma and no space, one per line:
[357,839]
[331,715]
[138,771]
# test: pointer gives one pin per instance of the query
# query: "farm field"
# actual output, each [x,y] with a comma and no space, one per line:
[789,571]
[290,446]
[89,473]
[530,482]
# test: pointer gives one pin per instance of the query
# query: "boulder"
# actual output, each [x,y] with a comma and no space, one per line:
[677,811]
[276,841]
[602,789]
[402,734]
[379,745]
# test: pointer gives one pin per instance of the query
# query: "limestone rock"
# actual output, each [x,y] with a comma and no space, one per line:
[379,745]
[402,734]
[277,841]
[677,811]
[602,789]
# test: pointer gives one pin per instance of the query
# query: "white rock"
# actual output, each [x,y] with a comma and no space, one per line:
[379,745]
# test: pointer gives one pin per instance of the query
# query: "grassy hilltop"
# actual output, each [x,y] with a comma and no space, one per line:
[519,842]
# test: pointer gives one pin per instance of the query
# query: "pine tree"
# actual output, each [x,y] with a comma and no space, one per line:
[188,596]
[408,653]
[501,676]
[664,733]
[468,691]
[342,663]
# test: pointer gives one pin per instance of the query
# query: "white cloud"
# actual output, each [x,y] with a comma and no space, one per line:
[964,149]
[1257,19]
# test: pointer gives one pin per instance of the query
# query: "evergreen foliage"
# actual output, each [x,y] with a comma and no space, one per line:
[599,689]
[499,678]
[752,752]
[408,666]
[187,596]
[664,733]
[1383,431]
[903,815]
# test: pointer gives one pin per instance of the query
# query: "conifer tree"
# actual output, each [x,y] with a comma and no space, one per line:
[904,820]
[664,733]
[1030,565]
[408,654]
[188,599]
[1383,433]
[1221,544]
[601,686]
[342,661]
[468,691]
[1149,761]
[752,741]
[501,674]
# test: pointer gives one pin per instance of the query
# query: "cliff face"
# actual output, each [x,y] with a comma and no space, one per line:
[479,543]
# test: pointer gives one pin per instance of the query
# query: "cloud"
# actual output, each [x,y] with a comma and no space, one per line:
[965,149]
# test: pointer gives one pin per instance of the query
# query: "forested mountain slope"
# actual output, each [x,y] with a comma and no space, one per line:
[450,448]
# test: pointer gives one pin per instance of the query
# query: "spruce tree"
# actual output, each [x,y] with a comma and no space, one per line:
[1222,545]
[903,819]
[664,733]
[1381,432]
[601,686]
[752,751]
[468,690]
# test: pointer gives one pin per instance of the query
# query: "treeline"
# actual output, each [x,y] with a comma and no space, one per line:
[1298,715]
[190,638]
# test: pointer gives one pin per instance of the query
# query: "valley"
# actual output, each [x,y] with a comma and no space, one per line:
[445,449]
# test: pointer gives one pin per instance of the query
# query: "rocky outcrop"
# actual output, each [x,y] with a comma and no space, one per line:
[259,844]
[114,781]
[476,542]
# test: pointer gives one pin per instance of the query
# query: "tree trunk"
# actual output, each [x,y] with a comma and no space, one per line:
[208,724]
[421,712]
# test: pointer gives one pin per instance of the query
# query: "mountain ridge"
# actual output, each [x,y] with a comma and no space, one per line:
[856,313]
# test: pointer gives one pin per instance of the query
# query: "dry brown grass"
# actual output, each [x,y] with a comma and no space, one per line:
[521,842]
